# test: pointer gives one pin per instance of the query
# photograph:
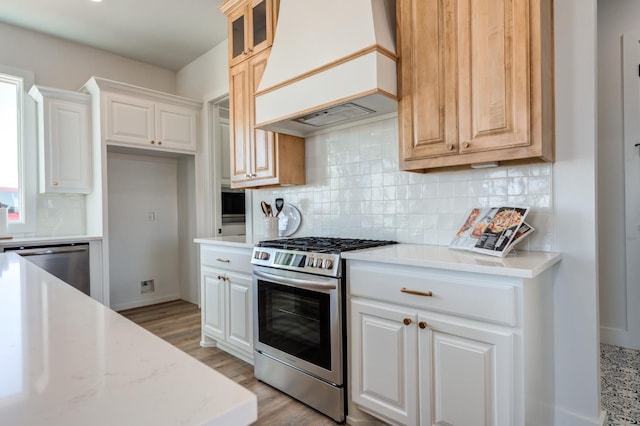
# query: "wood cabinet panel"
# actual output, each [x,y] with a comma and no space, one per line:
[240,123]
[475,82]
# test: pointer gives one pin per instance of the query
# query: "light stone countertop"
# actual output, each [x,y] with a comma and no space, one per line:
[10,242]
[68,360]
[523,264]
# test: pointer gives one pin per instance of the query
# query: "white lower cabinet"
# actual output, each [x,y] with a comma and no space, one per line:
[417,369]
[226,289]
[428,349]
[385,361]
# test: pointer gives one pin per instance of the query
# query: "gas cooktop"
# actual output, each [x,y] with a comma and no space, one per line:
[323,244]
[314,255]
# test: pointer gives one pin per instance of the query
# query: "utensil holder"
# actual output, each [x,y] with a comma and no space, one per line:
[271,227]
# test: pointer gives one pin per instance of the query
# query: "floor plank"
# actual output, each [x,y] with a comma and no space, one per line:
[178,323]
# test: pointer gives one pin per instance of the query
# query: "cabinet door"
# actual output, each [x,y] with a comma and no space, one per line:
[384,361]
[261,30]
[240,320]
[240,94]
[428,80]
[66,147]
[466,374]
[262,142]
[494,75]
[214,303]
[253,150]
[250,30]
[176,127]
[129,120]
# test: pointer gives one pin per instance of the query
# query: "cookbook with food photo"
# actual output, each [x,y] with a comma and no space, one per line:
[493,231]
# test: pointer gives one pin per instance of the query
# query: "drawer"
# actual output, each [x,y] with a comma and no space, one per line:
[225,257]
[481,300]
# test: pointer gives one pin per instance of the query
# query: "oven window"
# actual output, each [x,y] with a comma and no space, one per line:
[295,321]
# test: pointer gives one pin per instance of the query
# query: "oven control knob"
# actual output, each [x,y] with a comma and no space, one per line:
[264,255]
[309,261]
[317,262]
[327,264]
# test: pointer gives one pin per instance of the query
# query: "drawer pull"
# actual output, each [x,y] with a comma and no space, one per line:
[422,325]
[223,260]
[416,293]
[406,321]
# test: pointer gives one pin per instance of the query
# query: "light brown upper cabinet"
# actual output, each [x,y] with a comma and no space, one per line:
[258,158]
[475,82]
[250,27]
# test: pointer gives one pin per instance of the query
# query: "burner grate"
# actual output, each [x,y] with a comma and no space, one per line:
[323,244]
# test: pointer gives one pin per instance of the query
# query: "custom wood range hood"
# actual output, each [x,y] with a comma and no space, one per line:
[332,62]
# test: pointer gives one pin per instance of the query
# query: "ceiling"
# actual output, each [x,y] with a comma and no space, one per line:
[166,33]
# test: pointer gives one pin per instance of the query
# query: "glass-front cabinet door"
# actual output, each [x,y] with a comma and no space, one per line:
[250,29]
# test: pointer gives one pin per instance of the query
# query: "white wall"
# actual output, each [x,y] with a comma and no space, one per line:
[68,65]
[206,79]
[577,381]
[143,247]
[614,19]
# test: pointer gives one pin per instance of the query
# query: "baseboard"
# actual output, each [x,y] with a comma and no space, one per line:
[568,418]
[614,336]
[146,302]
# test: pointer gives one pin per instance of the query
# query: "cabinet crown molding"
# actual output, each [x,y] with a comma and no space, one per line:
[97,84]
[40,92]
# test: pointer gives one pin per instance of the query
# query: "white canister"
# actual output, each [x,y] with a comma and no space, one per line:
[4,223]
[271,227]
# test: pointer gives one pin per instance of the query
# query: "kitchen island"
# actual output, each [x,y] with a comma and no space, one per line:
[68,360]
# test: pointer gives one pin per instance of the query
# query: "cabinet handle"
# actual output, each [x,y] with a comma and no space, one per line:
[159,142]
[416,293]
[465,145]
[406,321]
[55,183]
[449,147]
[223,260]
[153,142]
[422,325]
[222,277]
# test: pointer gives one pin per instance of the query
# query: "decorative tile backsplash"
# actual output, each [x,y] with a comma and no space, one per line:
[58,215]
[355,189]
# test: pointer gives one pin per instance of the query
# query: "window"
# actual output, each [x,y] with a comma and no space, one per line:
[11,193]
[18,149]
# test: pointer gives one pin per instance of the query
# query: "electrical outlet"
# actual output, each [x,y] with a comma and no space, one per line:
[147,286]
[151,216]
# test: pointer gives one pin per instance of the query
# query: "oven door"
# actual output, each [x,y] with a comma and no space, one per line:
[297,319]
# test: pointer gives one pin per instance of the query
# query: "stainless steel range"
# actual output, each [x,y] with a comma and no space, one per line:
[300,318]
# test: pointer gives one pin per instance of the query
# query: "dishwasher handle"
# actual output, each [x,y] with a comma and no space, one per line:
[40,251]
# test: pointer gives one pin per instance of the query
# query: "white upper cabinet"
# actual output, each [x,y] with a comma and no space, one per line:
[157,125]
[136,117]
[64,140]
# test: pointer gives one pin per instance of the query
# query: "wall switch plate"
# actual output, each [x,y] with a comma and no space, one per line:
[147,286]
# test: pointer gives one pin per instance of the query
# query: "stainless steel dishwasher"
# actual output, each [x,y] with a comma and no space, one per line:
[69,262]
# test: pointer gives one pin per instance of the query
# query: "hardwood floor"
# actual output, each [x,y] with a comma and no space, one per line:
[178,323]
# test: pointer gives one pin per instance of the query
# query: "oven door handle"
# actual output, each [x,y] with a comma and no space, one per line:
[295,282]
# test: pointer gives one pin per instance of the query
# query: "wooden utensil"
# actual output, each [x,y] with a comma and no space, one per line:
[265,208]
[279,205]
